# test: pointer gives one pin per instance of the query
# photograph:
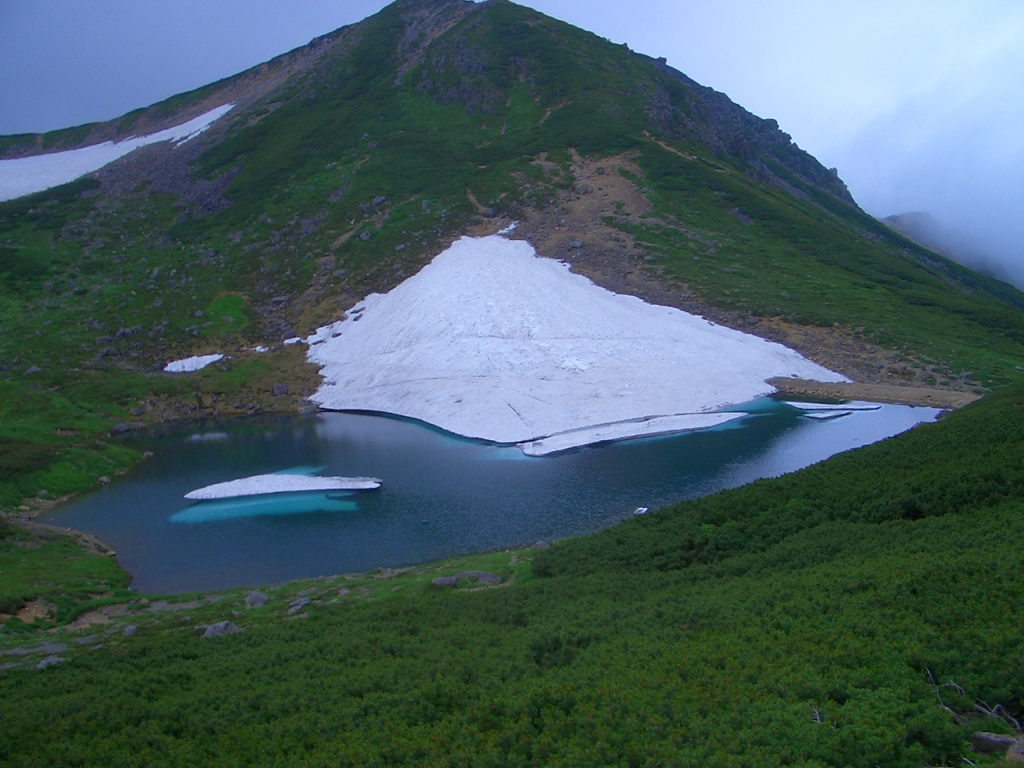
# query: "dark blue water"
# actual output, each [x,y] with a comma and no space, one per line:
[442,495]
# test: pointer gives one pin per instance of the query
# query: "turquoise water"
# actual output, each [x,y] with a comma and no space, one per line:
[442,495]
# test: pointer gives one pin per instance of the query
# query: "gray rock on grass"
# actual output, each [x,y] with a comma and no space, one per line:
[50,649]
[50,661]
[297,605]
[992,742]
[445,581]
[482,577]
[220,629]
[256,600]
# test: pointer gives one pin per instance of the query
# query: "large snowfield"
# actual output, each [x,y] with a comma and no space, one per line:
[27,175]
[491,341]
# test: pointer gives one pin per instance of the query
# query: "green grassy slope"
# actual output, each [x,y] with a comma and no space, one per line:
[812,620]
[103,281]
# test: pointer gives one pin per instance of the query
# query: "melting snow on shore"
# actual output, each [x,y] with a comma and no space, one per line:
[260,485]
[491,341]
[190,364]
[27,175]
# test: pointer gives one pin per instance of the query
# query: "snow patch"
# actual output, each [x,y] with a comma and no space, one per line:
[27,175]
[491,341]
[190,364]
[260,485]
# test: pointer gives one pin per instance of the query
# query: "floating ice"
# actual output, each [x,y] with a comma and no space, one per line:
[825,415]
[834,406]
[190,364]
[260,485]
[490,341]
[624,430]
[26,175]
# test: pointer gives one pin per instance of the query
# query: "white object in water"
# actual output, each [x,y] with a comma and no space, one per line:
[625,430]
[260,485]
[640,511]
[491,341]
[190,364]
[208,437]
[834,406]
[26,175]
[825,415]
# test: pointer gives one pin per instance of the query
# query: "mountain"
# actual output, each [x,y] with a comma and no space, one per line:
[344,166]
[925,230]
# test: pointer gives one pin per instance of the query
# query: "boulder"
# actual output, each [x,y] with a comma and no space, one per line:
[130,630]
[445,581]
[983,741]
[256,600]
[482,577]
[541,546]
[280,389]
[365,236]
[221,628]
[297,605]
[379,200]
[50,661]
[575,244]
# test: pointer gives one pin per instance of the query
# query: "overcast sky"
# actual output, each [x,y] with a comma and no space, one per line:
[919,103]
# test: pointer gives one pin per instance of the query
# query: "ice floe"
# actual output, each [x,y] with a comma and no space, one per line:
[491,341]
[190,364]
[261,485]
[825,415]
[27,175]
[661,425]
[833,406]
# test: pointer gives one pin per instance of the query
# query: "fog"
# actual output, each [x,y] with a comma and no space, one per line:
[917,103]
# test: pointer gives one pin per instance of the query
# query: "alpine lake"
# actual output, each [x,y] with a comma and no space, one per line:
[442,495]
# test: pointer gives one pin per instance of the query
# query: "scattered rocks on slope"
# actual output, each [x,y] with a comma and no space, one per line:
[49,648]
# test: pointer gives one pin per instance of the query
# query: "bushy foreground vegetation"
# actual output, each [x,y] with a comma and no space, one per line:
[820,619]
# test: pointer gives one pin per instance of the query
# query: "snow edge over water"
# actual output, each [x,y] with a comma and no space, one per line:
[491,341]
